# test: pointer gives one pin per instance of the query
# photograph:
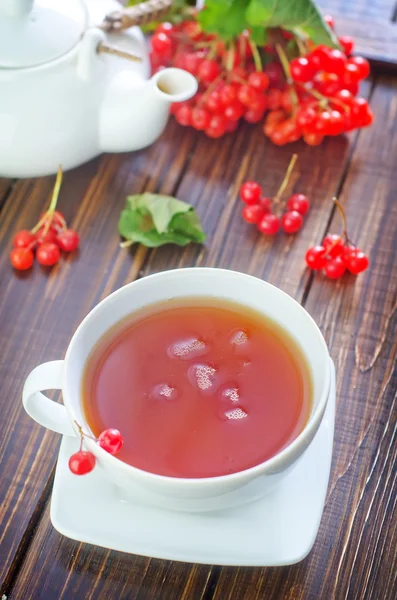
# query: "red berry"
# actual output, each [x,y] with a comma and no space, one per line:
[299,203]
[266,203]
[111,440]
[259,80]
[291,221]
[23,239]
[351,74]
[68,240]
[228,94]
[214,102]
[57,219]
[49,237]
[274,99]
[201,118]
[330,21]
[322,123]
[234,111]
[48,254]
[21,258]
[347,44]
[313,139]
[306,117]
[217,127]
[337,123]
[253,213]
[183,115]
[334,268]
[319,57]
[250,192]
[335,63]
[334,242]
[165,27]
[254,116]
[357,261]
[269,225]
[248,95]
[301,69]
[208,71]
[359,111]
[192,62]
[362,65]
[315,258]
[162,44]
[81,462]
[275,73]
[344,96]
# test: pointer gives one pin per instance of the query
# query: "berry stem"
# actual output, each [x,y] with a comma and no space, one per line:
[256,56]
[47,217]
[344,221]
[284,182]
[230,57]
[300,44]
[285,64]
[126,244]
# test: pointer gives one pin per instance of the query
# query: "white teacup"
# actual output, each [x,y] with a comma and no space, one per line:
[169,492]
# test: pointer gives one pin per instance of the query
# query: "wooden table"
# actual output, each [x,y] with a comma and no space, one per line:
[354,555]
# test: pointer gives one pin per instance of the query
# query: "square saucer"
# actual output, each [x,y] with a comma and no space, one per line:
[279,529]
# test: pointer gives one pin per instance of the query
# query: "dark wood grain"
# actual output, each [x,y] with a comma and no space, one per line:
[354,553]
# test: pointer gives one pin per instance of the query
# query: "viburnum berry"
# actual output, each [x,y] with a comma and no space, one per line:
[291,221]
[266,204]
[253,213]
[299,203]
[48,254]
[217,126]
[23,239]
[269,225]
[362,65]
[356,261]
[259,80]
[208,71]
[333,244]
[68,240]
[82,462]
[228,94]
[46,235]
[301,69]
[334,268]
[330,21]
[111,440]
[200,118]
[183,115]
[21,258]
[250,192]
[335,62]
[248,95]
[347,44]
[162,44]
[315,258]
[214,103]
[234,111]
[254,116]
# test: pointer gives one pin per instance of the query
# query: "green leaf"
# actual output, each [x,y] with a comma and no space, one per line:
[301,15]
[224,17]
[154,220]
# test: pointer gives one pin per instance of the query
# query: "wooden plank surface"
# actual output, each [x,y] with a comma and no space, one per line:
[356,316]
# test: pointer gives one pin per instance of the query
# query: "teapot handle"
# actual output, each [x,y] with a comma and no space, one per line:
[140,14]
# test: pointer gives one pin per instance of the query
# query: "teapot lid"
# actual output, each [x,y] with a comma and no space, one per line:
[33,33]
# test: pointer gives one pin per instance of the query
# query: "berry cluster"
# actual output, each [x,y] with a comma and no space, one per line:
[309,96]
[319,98]
[83,462]
[261,210]
[337,254]
[49,236]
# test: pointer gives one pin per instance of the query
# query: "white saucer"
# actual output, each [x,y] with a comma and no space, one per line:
[279,529]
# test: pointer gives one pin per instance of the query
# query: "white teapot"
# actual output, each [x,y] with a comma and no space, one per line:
[66,96]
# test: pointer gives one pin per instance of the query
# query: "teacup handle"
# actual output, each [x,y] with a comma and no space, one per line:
[51,415]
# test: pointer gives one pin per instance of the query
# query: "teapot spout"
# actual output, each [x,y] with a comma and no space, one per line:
[135,114]
[174,85]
